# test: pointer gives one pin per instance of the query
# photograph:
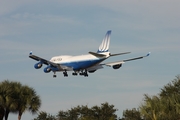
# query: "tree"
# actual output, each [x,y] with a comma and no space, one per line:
[8,97]
[62,115]
[104,112]
[170,95]
[28,100]
[2,112]
[133,114]
[151,109]
[166,105]
[44,116]
[16,98]
[107,111]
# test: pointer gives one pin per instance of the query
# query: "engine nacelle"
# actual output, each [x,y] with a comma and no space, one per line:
[91,71]
[38,65]
[47,69]
[117,66]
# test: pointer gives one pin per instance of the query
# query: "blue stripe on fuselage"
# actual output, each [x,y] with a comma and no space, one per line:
[79,65]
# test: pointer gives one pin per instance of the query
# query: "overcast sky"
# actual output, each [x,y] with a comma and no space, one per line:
[75,27]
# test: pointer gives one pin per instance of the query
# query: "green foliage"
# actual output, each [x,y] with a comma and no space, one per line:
[170,95]
[17,98]
[44,116]
[166,105]
[133,114]
[151,107]
[104,112]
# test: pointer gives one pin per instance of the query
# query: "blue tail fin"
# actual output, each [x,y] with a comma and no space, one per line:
[104,47]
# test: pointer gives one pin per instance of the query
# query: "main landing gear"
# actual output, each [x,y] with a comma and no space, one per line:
[75,73]
[65,74]
[84,73]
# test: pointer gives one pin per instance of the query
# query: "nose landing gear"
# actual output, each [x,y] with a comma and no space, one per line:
[54,76]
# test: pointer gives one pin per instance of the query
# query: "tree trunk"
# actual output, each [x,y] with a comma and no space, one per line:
[19,116]
[6,114]
[2,112]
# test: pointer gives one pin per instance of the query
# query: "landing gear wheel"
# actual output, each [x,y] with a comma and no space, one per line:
[65,74]
[75,74]
[85,73]
[81,73]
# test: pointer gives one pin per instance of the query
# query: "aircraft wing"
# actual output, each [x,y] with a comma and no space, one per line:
[42,60]
[47,62]
[110,64]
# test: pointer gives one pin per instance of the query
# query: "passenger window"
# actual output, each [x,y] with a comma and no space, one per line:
[59,59]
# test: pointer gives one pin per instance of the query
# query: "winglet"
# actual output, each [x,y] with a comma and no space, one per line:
[148,54]
[30,53]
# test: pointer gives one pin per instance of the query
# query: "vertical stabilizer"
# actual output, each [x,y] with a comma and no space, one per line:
[104,47]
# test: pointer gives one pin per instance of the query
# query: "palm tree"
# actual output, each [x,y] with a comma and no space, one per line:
[170,95]
[28,100]
[7,97]
[151,108]
[164,106]
[14,97]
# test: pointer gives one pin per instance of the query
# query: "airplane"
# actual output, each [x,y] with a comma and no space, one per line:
[82,64]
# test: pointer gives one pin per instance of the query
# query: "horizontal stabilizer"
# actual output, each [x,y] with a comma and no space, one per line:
[120,54]
[97,54]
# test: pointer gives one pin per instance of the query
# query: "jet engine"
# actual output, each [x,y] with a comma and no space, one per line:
[117,66]
[91,71]
[38,65]
[47,69]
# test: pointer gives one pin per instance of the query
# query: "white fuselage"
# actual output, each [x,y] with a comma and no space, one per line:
[79,62]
